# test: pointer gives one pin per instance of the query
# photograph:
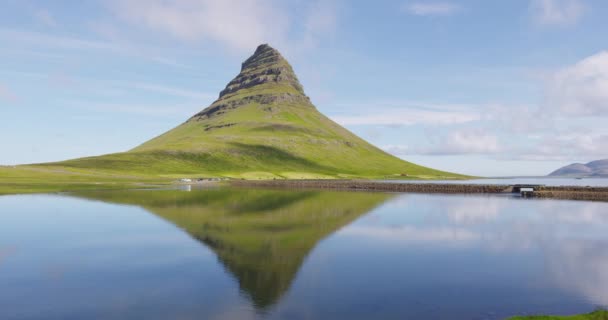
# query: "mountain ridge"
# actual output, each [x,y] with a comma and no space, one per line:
[597,168]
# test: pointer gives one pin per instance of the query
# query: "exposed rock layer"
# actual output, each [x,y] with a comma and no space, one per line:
[265,67]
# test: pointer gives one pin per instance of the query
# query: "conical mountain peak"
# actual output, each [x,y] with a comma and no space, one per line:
[265,66]
[266,78]
[263,125]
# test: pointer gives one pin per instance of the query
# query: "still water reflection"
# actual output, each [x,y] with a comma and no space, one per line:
[262,254]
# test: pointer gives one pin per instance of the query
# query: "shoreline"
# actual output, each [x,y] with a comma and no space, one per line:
[541,192]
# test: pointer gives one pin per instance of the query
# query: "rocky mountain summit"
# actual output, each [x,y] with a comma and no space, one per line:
[265,78]
[598,168]
[264,66]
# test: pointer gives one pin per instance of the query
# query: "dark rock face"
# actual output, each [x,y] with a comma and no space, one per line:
[598,168]
[265,66]
[220,106]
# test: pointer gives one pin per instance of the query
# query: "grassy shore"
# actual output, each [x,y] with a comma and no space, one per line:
[31,179]
[597,315]
[125,171]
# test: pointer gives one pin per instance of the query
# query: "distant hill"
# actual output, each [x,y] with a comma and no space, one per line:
[597,168]
[261,126]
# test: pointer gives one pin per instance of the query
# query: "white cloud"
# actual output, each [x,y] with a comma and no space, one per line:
[589,278]
[409,117]
[464,141]
[455,142]
[581,89]
[241,24]
[470,211]
[526,119]
[410,234]
[569,147]
[237,24]
[432,8]
[557,12]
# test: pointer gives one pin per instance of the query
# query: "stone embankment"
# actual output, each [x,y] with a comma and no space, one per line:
[573,193]
[568,193]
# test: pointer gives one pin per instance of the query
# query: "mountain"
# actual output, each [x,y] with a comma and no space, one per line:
[261,237]
[262,126]
[597,168]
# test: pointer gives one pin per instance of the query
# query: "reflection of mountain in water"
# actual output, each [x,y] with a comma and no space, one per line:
[260,236]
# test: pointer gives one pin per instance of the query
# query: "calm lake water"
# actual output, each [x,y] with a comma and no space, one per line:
[260,254]
[549,181]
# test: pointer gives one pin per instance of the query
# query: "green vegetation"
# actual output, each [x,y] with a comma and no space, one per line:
[260,236]
[34,179]
[263,126]
[597,315]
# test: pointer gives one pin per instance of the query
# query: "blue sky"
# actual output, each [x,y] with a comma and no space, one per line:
[480,87]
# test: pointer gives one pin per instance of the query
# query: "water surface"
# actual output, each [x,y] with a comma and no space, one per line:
[261,254]
[548,181]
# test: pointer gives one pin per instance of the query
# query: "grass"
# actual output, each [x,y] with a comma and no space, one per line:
[289,142]
[32,179]
[596,315]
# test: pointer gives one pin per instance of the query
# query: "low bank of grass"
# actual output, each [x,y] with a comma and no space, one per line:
[596,315]
[26,179]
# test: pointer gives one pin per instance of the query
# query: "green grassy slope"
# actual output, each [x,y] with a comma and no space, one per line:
[260,236]
[41,179]
[262,126]
[597,315]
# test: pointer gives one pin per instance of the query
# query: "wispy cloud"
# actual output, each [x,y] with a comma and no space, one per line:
[63,42]
[567,147]
[169,90]
[408,116]
[236,24]
[432,8]
[161,110]
[409,234]
[580,89]
[45,43]
[465,141]
[240,24]
[455,142]
[557,12]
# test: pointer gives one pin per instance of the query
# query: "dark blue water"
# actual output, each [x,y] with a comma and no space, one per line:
[255,254]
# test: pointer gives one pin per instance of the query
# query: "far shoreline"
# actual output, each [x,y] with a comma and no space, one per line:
[583,193]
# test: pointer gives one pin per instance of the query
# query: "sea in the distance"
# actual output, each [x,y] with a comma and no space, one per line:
[224,253]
